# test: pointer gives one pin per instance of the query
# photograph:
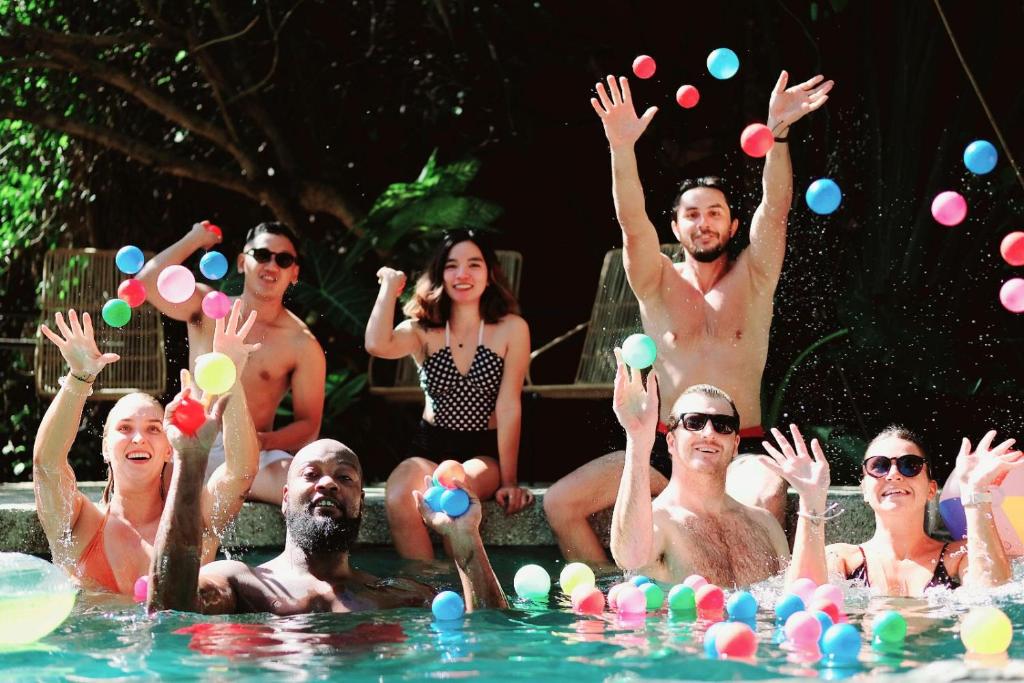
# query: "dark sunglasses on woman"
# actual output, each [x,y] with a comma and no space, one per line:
[723,424]
[263,255]
[878,466]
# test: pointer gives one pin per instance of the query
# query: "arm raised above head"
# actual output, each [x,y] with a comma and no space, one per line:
[382,338]
[199,237]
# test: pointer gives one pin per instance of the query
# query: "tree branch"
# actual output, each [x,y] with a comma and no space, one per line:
[76,41]
[318,197]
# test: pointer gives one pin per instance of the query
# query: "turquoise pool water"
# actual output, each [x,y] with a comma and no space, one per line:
[107,638]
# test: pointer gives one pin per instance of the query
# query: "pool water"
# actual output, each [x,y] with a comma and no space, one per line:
[107,638]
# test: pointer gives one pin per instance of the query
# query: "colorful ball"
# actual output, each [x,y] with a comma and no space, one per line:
[630,600]
[804,588]
[803,629]
[786,606]
[694,581]
[687,96]
[575,574]
[826,606]
[823,196]
[832,593]
[454,502]
[215,373]
[1012,248]
[1011,295]
[756,140]
[889,627]
[723,63]
[176,284]
[448,605]
[117,312]
[949,208]
[433,497]
[132,291]
[710,598]
[710,648]
[644,66]
[741,605]
[216,305]
[532,582]
[141,588]
[210,227]
[639,351]
[189,416]
[613,594]
[37,598]
[654,596]
[587,600]
[735,639]
[449,473]
[986,631]
[682,598]
[823,619]
[213,265]
[639,580]
[841,644]
[980,157]
[129,259]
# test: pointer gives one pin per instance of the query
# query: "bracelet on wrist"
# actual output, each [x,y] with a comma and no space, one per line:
[85,378]
[66,386]
[975,498]
[782,140]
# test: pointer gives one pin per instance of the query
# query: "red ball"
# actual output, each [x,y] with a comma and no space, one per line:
[710,598]
[132,291]
[210,227]
[687,96]
[644,66]
[826,606]
[757,139]
[587,600]
[735,639]
[449,472]
[1012,248]
[189,416]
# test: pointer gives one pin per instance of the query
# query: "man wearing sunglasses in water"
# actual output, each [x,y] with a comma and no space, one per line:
[693,526]
[289,357]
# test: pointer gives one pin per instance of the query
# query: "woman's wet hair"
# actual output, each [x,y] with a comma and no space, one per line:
[708,390]
[896,431]
[108,490]
[430,304]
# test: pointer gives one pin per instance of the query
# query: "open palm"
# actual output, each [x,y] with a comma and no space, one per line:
[77,344]
[615,107]
[808,475]
[634,406]
[789,105]
[988,464]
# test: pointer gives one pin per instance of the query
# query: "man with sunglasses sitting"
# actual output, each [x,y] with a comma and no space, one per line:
[693,526]
[289,357]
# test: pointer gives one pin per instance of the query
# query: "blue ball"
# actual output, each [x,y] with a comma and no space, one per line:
[454,502]
[741,606]
[787,605]
[709,639]
[723,63]
[823,196]
[129,260]
[433,497]
[952,511]
[825,620]
[980,157]
[639,580]
[213,265]
[841,643]
[448,605]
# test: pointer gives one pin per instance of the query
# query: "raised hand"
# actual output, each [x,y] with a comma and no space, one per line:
[789,105]
[445,525]
[206,237]
[393,280]
[635,407]
[615,107]
[988,464]
[808,476]
[204,437]
[77,344]
[229,338]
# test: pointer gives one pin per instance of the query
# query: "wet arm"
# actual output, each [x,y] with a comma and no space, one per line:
[508,410]
[633,536]
[986,563]
[227,489]
[642,251]
[809,544]
[479,584]
[307,401]
[768,226]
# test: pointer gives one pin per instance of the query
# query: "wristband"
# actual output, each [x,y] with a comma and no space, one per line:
[782,140]
[86,378]
[975,498]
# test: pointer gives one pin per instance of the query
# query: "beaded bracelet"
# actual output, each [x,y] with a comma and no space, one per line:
[829,513]
[66,387]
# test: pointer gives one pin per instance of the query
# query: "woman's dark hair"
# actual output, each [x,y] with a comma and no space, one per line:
[430,304]
[895,431]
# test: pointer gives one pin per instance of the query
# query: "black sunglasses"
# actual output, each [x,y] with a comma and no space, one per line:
[723,424]
[908,465]
[263,255]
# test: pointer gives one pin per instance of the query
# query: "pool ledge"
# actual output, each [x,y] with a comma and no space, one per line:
[261,526]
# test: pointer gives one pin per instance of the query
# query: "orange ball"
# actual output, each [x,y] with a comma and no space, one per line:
[449,472]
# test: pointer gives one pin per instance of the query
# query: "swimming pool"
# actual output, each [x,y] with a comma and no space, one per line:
[108,638]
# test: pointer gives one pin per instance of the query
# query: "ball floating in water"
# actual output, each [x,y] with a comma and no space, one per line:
[787,605]
[141,588]
[639,351]
[803,629]
[613,594]
[824,605]
[735,639]
[949,208]
[433,497]
[710,648]
[639,580]
[1011,295]
[756,139]
[454,502]
[980,157]
[823,619]
[532,582]
[694,581]
[986,631]
[450,473]
[832,593]
[132,291]
[36,598]
[587,600]
[215,372]
[687,96]
[448,605]
[630,600]
[216,305]
[741,605]
[823,196]
[213,265]
[890,627]
[804,588]
[644,66]
[189,416]
[841,644]
[176,284]
[129,259]
[653,595]
[117,313]
[710,598]
[682,598]
[723,63]
[1012,248]
[575,574]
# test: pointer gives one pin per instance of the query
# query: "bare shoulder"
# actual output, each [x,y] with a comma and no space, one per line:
[226,569]
[843,556]
[300,333]
[513,325]
[956,553]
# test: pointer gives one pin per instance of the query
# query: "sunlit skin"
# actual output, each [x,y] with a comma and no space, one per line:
[703,223]
[465,273]
[135,445]
[706,452]
[895,494]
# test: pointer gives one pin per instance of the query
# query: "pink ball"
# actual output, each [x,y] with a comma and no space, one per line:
[710,598]
[630,600]
[1012,248]
[216,305]
[587,600]
[832,593]
[644,66]
[804,588]
[176,284]
[141,589]
[736,639]
[826,606]
[1011,294]
[803,629]
[695,581]
[687,96]
[613,595]
[949,208]
[756,139]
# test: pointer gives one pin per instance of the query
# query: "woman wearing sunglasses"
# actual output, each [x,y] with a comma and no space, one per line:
[900,559]
[472,350]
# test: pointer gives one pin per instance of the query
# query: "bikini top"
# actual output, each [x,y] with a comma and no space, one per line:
[462,402]
[93,566]
[941,577]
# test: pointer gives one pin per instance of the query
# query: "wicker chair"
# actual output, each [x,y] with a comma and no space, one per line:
[84,279]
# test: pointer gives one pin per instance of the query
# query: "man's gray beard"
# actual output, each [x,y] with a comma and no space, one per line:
[315,534]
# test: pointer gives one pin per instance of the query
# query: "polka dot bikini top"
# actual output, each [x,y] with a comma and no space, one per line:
[462,402]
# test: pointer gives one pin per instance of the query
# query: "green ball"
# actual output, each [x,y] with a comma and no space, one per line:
[890,627]
[655,596]
[117,313]
[639,351]
[682,598]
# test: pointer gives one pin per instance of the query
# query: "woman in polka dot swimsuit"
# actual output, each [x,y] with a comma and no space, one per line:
[472,350]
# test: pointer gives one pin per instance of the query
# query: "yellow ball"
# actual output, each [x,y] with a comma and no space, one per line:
[575,574]
[986,631]
[35,598]
[215,373]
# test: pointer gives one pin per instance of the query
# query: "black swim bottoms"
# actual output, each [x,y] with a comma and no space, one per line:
[661,459]
[437,443]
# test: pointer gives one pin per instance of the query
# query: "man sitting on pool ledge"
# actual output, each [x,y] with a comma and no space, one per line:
[322,506]
[693,526]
